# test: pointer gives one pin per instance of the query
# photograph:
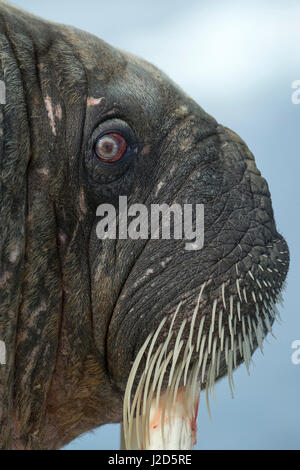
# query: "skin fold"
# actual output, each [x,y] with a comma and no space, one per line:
[75,310]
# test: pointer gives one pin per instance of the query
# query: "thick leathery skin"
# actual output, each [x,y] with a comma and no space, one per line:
[74,310]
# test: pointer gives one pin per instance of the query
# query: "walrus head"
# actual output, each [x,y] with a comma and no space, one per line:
[83,319]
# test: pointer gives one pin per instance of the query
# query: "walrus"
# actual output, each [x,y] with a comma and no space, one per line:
[96,329]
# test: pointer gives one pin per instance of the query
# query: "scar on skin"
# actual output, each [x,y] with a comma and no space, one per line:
[58,112]
[141,279]
[14,254]
[43,171]
[50,111]
[62,238]
[146,149]
[159,186]
[165,262]
[82,202]
[91,101]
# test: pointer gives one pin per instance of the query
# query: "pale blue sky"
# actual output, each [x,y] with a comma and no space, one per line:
[238,60]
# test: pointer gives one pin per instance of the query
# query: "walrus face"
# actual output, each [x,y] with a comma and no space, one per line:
[83,124]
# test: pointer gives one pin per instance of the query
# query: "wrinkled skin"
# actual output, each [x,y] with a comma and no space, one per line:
[75,310]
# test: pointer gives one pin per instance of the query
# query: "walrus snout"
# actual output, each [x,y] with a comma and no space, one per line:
[239,272]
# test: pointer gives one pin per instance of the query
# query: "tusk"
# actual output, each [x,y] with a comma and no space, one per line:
[176,430]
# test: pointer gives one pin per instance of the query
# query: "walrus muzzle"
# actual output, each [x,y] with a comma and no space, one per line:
[83,124]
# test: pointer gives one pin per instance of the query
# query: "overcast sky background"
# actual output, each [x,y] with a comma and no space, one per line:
[238,61]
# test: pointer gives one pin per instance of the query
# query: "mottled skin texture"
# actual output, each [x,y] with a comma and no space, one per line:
[75,310]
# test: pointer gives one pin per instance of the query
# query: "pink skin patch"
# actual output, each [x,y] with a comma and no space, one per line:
[50,111]
[62,238]
[14,254]
[82,202]
[194,422]
[53,113]
[91,101]
[180,428]
[58,112]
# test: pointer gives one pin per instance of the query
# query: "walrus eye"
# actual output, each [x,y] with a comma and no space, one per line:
[111,151]
[110,147]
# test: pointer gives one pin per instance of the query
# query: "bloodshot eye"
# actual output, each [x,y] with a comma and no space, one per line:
[110,147]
